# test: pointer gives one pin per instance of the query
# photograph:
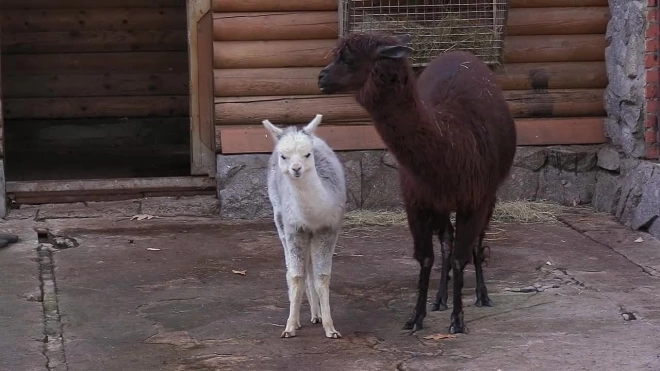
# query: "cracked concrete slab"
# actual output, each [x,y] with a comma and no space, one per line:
[162,296]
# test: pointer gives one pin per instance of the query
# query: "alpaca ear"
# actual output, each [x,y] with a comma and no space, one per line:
[311,127]
[275,132]
[394,51]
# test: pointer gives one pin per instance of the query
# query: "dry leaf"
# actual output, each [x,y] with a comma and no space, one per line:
[639,239]
[152,249]
[242,273]
[143,217]
[439,337]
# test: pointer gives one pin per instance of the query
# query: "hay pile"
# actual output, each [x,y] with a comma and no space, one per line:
[439,32]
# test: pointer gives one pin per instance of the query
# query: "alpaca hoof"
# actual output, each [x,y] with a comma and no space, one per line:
[333,334]
[415,324]
[316,319]
[483,301]
[438,307]
[458,328]
[288,334]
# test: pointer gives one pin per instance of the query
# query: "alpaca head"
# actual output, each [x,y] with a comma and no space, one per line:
[295,148]
[354,58]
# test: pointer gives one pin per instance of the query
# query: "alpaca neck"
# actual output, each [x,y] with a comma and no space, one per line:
[312,199]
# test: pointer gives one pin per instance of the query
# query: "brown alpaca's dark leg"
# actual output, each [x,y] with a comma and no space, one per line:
[478,257]
[421,225]
[468,227]
[446,237]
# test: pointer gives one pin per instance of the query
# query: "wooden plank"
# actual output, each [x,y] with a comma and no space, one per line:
[38,20]
[109,186]
[200,41]
[555,3]
[300,109]
[95,85]
[317,53]
[273,5]
[554,48]
[33,108]
[303,80]
[138,62]
[557,21]
[86,4]
[93,41]
[275,26]
[268,54]
[574,130]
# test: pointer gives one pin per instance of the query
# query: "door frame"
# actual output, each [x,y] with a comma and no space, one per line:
[200,67]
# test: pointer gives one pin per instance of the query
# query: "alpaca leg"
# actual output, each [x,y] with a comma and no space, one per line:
[467,231]
[483,300]
[297,249]
[446,236]
[421,226]
[312,296]
[323,247]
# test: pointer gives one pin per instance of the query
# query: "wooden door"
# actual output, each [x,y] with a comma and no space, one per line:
[200,57]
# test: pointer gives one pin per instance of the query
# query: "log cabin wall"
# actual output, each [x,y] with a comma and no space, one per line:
[95,89]
[267,55]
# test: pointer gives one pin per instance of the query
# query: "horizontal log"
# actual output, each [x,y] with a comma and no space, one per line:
[273,5]
[95,85]
[300,109]
[254,139]
[555,3]
[303,80]
[554,48]
[34,108]
[317,53]
[70,63]
[557,21]
[86,4]
[33,20]
[275,26]
[269,54]
[94,41]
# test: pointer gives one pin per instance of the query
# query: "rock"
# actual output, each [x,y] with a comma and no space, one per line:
[648,209]
[654,229]
[608,158]
[242,187]
[607,192]
[522,184]
[566,187]
[573,158]
[530,158]
[181,206]
[634,175]
[3,194]
[353,170]
[381,189]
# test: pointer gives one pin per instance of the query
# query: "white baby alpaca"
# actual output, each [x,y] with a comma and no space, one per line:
[307,189]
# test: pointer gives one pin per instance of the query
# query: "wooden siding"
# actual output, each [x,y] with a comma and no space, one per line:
[94,59]
[267,55]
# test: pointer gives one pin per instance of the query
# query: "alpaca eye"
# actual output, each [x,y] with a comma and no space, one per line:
[283,157]
[307,155]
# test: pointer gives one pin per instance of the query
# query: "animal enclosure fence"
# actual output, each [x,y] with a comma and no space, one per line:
[435,26]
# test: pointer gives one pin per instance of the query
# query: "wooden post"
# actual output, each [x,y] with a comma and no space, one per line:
[200,57]
[3,192]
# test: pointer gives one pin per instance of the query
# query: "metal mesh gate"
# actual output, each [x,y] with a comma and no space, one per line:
[435,25]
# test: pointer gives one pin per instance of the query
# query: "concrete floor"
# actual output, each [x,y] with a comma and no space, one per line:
[119,304]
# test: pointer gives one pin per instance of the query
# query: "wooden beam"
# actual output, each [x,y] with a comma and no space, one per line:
[101,63]
[300,109]
[95,85]
[273,5]
[79,107]
[275,26]
[555,3]
[317,53]
[93,41]
[557,21]
[530,132]
[86,4]
[38,20]
[513,76]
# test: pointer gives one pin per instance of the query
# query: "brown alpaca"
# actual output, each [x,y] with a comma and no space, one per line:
[454,138]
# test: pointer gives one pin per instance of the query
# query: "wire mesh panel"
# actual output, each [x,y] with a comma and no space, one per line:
[435,25]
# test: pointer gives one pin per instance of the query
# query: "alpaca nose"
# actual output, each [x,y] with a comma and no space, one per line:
[296,168]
